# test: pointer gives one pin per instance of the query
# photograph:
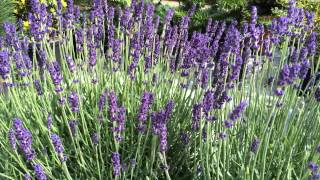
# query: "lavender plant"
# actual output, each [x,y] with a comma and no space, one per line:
[109,95]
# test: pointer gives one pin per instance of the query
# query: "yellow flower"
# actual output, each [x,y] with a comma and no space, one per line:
[25,25]
[64,4]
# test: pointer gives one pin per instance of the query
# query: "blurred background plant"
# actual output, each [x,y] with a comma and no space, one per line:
[6,12]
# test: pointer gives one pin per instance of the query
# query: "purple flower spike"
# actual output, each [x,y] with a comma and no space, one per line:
[163,138]
[254,145]
[146,102]
[113,106]
[228,124]
[58,147]
[236,113]
[24,137]
[73,126]
[71,65]
[4,64]
[74,101]
[49,121]
[12,139]
[196,117]
[116,163]
[95,138]
[102,101]
[39,172]
[222,135]
[184,137]
[27,177]
[38,87]
[313,167]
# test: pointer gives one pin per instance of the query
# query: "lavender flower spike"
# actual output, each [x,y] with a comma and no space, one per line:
[58,147]
[116,163]
[74,101]
[236,113]
[39,172]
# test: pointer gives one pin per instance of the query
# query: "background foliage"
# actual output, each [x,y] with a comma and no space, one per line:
[6,12]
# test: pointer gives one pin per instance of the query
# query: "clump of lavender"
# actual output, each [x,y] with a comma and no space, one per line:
[74,101]
[116,163]
[55,139]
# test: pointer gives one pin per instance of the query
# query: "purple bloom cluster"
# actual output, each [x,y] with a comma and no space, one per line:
[146,102]
[255,145]
[159,120]
[74,101]
[40,174]
[116,163]
[4,64]
[24,137]
[54,70]
[55,139]
[238,110]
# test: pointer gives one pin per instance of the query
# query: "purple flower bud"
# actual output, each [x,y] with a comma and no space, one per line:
[24,137]
[12,139]
[196,117]
[71,65]
[102,101]
[208,102]
[313,167]
[227,124]
[146,102]
[163,138]
[236,113]
[184,137]
[4,64]
[95,138]
[55,139]
[38,87]
[74,101]
[49,121]
[305,65]
[222,135]
[73,127]
[27,177]
[278,92]
[113,106]
[168,16]
[116,163]
[312,43]
[254,145]
[39,172]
